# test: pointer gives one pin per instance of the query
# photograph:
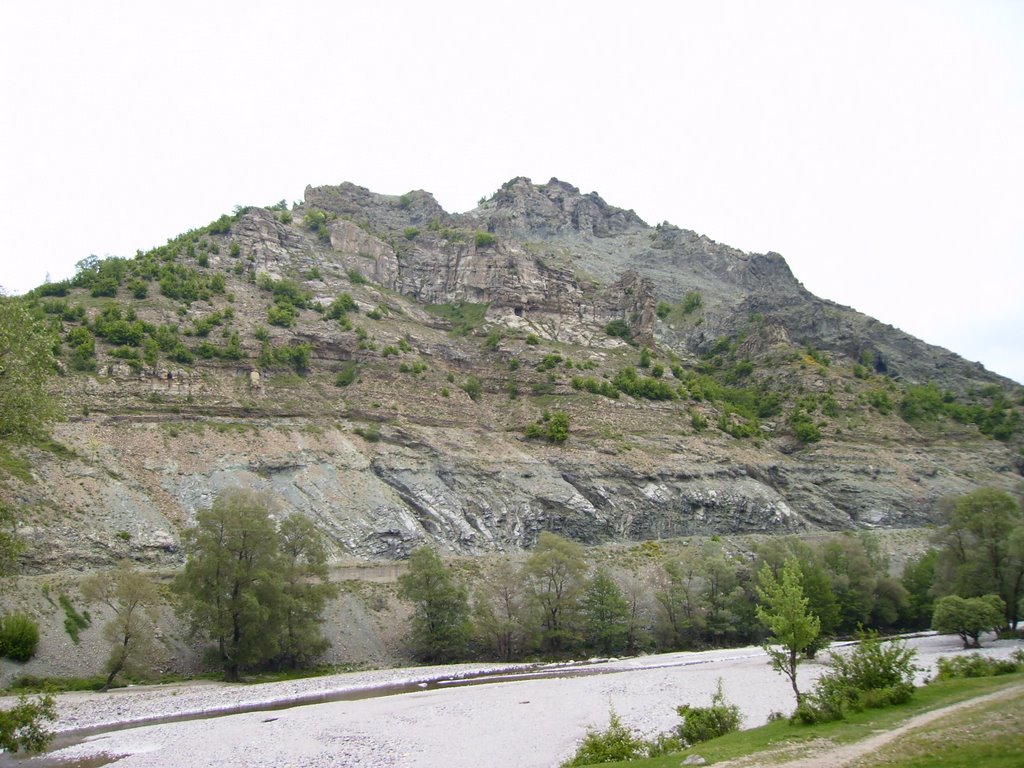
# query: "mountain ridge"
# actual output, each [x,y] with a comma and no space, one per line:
[393,372]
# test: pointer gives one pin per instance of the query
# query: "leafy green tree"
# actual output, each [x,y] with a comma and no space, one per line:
[133,598]
[917,578]
[231,586]
[815,579]
[21,726]
[305,591]
[26,363]
[852,574]
[676,590]
[501,613]
[981,549]
[605,614]
[968,617]
[440,620]
[719,593]
[27,410]
[554,577]
[783,609]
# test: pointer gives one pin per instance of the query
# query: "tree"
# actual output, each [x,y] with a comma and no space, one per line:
[304,593]
[21,725]
[27,409]
[26,363]
[231,586]
[680,618]
[853,576]
[500,612]
[918,577]
[440,620]
[720,587]
[554,578]
[968,617]
[133,598]
[814,578]
[783,609]
[605,614]
[982,549]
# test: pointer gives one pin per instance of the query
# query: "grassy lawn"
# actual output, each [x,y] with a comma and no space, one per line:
[973,733]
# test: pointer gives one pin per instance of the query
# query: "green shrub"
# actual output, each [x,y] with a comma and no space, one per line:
[315,221]
[643,387]
[706,723]
[410,233]
[875,674]
[347,374]
[73,620]
[596,386]
[614,744]
[804,428]
[282,315]
[285,291]
[293,355]
[19,637]
[483,239]
[692,301]
[551,360]
[341,306]
[370,434]
[663,309]
[879,400]
[472,387]
[620,329]
[551,427]
[976,665]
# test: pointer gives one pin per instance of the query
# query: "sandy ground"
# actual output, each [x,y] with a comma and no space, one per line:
[522,724]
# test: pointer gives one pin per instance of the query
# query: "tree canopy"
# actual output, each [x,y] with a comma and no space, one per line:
[982,549]
[783,609]
[240,586]
[440,620]
[133,598]
[26,363]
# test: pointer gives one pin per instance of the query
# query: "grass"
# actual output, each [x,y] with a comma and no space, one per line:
[792,741]
[14,465]
[989,735]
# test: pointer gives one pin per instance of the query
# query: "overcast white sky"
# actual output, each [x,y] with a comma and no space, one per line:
[879,146]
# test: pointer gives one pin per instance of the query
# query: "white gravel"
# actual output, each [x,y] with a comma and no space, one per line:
[522,724]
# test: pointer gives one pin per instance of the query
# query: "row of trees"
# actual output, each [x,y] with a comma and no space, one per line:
[555,602]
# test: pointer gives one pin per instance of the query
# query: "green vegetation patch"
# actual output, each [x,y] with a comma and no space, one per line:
[465,316]
[989,408]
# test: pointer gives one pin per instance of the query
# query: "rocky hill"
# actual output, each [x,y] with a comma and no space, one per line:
[545,361]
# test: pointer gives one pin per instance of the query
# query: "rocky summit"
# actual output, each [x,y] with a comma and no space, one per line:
[546,361]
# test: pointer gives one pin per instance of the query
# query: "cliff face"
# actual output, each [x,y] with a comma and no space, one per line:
[405,422]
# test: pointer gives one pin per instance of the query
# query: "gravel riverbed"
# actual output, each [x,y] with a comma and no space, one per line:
[531,722]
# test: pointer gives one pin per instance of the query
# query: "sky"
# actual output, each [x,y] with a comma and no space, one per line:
[878,146]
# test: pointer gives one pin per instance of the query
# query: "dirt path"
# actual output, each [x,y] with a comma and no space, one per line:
[828,755]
